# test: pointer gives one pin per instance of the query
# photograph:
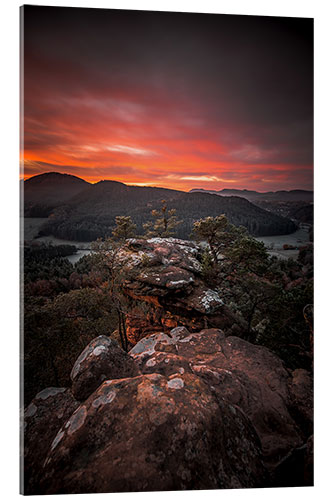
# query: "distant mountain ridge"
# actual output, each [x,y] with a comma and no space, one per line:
[84,212]
[292,195]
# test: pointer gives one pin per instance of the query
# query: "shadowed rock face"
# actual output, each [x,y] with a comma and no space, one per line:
[101,360]
[301,390]
[167,276]
[42,420]
[203,411]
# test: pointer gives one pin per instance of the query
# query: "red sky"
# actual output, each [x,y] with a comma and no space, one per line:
[213,102]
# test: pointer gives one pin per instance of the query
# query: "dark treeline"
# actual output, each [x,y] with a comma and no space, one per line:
[47,261]
[37,210]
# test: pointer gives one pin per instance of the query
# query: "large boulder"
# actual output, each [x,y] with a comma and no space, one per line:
[101,360]
[151,433]
[165,274]
[197,410]
[42,419]
[249,376]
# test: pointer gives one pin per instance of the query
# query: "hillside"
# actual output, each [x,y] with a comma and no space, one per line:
[300,211]
[44,192]
[293,195]
[105,196]
[90,213]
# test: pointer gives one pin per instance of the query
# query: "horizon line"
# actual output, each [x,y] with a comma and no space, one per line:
[147,184]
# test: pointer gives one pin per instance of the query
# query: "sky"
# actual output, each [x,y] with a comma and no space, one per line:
[168,99]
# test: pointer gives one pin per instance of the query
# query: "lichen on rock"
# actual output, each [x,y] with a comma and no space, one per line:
[168,278]
[212,412]
[102,359]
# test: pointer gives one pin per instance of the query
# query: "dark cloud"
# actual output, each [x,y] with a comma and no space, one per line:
[246,81]
[42,166]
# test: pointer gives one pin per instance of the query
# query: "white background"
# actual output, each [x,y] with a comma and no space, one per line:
[321,10]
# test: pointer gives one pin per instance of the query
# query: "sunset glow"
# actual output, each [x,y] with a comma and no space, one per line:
[113,95]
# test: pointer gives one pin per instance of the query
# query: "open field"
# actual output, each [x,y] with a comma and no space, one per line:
[274,244]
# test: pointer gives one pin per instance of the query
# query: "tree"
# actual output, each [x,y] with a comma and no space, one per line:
[252,296]
[289,329]
[56,331]
[217,232]
[208,270]
[247,255]
[165,223]
[111,264]
[125,228]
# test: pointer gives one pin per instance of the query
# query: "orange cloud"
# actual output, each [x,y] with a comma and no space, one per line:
[171,100]
[129,138]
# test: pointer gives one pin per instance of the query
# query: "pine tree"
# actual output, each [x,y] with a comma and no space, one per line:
[165,223]
[217,232]
[125,228]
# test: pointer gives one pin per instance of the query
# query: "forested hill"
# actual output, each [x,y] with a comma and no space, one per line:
[293,195]
[105,196]
[44,192]
[259,222]
[90,213]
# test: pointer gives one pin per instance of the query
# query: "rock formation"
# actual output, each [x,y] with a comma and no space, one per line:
[43,418]
[101,360]
[166,281]
[199,411]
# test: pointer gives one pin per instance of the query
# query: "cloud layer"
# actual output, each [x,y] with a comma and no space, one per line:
[174,100]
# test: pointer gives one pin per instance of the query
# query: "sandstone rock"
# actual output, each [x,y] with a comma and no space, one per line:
[201,410]
[147,345]
[301,390]
[166,274]
[166,363]
[150,433]
[158,353]
[102,359]
[42,420]
[249,376]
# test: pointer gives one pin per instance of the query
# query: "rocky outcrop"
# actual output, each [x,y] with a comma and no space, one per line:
[166,281]
[101,360]
[153,433]
[201,410]
[248,376]
[43,418]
